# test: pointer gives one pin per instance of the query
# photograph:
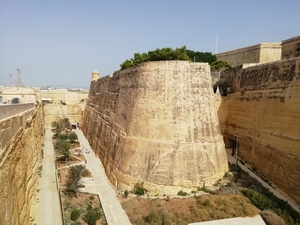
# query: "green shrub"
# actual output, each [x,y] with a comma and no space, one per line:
[126,192]
[75,213]
[182,193]
[139,188]
[92,198]
[267,200]
[91,216]
[204,189]
[63,136]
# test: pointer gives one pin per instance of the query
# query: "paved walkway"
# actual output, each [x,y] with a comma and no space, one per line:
[114,213]
[49,212]
[277,192]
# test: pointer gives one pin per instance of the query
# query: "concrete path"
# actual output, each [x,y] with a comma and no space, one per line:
[49,212]
[114,213]
[277,192]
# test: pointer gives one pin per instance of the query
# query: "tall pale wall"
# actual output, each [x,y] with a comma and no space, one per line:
[73,109]
[156,123]
[264,113]
[261,53]
[53,112]
[67,96]
[21,139]
[24,94]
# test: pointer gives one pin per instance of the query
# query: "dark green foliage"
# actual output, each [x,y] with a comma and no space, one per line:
[156,55]
[75,174]
[75,213]
[72,137]
[267,200]
[139,189]
[63,137]
[204,189]
[92,215]
[182,193]
[126,192]
[217,65]
[63,147]
[201,56]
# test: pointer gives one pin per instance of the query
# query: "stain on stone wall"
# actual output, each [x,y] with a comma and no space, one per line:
[157,123]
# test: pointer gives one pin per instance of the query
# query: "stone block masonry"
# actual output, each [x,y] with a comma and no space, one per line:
[157,123]
[264,113]
[21,139]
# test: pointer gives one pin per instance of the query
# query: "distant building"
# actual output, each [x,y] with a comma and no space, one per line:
[290,48]
[260,53]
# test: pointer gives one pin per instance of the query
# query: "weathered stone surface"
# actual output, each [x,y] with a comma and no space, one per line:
[19,164]
[73,108]
[260,53]
[156,123]
[264,113]
[53,112]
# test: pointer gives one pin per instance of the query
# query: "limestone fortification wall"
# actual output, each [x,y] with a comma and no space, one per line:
[21,139]
[261,53]
[24,94]
[53,112]
[156,123]
[73,108]
[64,95]
[264,113]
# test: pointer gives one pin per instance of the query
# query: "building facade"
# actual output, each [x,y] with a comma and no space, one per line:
[260,53]
[290,48]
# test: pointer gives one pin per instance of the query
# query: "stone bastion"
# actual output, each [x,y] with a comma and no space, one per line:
[156,123]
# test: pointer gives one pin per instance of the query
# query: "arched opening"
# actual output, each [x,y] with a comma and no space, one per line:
[230,142]
[15,101]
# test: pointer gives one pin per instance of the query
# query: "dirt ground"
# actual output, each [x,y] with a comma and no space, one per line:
[179,211]
[81,202]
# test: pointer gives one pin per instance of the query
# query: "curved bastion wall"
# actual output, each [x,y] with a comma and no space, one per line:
[156,123]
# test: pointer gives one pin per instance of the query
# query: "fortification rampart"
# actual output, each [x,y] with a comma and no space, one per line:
[156,123]
[22,94]
[72,107]
[261,53]
[263,112]
[21,138]
[64,95]
[11,110]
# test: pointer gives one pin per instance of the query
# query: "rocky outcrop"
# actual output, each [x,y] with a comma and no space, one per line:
[263,112]
[21,140]
[156,123]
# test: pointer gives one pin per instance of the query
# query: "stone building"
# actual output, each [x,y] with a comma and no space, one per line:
[260,53]
[290,48]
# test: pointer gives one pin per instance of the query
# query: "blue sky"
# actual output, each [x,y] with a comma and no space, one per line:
[62,42]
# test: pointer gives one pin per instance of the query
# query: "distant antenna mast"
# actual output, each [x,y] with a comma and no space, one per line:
[217,43]
[20,84]
[11,80]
